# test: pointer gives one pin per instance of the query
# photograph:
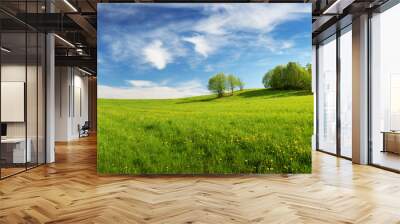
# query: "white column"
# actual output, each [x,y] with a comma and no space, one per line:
[50,92]
[360,89]
[50,99]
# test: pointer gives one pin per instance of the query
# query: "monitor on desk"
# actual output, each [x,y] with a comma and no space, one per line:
[3,130]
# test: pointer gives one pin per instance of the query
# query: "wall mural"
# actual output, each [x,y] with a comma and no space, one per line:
[204,88]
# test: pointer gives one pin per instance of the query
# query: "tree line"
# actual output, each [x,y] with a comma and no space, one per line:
[221,83]
[291,76]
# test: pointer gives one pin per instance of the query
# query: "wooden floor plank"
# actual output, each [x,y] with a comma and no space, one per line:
[70,191]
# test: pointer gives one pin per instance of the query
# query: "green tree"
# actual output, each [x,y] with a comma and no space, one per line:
[308,66]
[273,78]
[290,76]
[232,82]
[218,84]
[306,79]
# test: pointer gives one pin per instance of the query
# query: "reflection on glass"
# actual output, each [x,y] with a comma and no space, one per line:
[394,102]
[327,96]
[22,91]
[14,153]
[346,93]
[385,89]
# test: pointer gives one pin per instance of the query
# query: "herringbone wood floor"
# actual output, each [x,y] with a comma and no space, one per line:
[70,191]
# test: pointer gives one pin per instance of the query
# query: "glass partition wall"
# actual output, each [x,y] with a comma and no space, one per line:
[385,89]
[327,95]
[22,77]
[13,89]
[334,94]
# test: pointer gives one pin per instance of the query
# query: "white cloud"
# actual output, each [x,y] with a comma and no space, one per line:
[143,89]
[222,25]
[139,47]
[116,10]
[141,83]
[212,25]
[225,18]
[157,55]
[201,45]
[273,44]
[287,44]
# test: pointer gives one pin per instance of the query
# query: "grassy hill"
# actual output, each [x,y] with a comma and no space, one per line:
[253,131]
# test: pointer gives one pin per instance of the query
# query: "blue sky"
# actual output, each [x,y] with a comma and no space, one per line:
[171,50]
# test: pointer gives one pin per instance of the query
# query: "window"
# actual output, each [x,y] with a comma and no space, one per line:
[22,88]
[346,92]
[327,95]
[385,89]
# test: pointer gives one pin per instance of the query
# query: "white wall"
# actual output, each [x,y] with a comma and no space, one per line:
[80,109]
[62,82]
[17,73]
[33,126]
[13,101]
[14,72]
[70,84]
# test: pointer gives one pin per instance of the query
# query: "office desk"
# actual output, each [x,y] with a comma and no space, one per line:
[13,150]
[391,141]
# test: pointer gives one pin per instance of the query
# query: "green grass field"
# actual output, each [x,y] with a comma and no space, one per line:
[254,131]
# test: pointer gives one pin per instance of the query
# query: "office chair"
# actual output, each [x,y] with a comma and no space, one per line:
[84,130]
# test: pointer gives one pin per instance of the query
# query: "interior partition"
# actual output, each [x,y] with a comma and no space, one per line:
[16,150]
[23,88]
